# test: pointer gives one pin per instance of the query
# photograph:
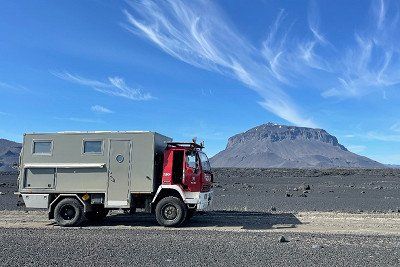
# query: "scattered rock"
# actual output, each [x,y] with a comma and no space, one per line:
[273,209]
[223,189]
[289,195]
[303,195]
[2,184]
[306,187]
[305,192]
[362,192]
[295,189]
[283,239]
[317,246]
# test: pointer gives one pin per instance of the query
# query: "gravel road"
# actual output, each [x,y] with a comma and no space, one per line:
[214,238]
[132,247]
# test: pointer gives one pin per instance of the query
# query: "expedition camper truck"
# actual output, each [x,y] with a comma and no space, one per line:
[80,176]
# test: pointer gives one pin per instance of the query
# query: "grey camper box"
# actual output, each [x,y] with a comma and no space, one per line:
[111,166]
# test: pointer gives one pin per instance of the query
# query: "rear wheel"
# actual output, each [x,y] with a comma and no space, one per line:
[69,212]
[171,212]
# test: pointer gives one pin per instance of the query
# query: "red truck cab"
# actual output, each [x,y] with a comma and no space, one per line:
[186,170]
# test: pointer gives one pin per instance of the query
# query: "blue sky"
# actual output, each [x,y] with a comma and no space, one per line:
[208,69]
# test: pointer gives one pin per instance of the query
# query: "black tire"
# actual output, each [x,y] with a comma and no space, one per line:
[69,212]
[97,214]
[190,214]
[171,212]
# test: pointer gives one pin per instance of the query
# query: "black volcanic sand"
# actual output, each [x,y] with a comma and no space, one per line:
[346,190]
[285,190]
[8,185]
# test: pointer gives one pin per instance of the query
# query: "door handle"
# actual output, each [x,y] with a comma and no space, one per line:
[111,178]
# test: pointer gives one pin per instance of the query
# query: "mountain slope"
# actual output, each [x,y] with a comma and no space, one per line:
[9,154]
[271,145]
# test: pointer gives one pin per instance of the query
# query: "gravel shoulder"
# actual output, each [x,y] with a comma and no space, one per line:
[225,221]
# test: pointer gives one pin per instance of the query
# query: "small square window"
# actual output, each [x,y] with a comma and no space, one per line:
[42,147]
[92,147]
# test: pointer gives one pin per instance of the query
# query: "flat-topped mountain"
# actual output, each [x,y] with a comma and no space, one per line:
[9,155]
[274,146]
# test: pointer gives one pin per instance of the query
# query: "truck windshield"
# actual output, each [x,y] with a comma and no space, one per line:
[204,162]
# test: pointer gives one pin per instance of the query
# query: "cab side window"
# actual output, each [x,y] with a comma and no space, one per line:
[192,160]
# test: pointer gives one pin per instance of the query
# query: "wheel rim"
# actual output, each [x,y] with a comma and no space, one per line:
[67,212]
[169,212]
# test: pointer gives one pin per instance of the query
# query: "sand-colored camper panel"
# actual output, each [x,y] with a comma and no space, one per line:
[81,160]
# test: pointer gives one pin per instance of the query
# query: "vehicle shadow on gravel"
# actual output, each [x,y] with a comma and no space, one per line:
[245,220]
[223,219]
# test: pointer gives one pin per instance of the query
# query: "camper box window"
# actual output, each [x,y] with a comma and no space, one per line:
[92,147]
[42,147]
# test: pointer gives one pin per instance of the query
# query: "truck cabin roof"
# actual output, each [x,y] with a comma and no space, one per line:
[188,145]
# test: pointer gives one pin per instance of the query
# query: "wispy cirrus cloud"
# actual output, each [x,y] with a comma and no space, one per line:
[81,120]
[100,109]
[12,87]
[372,63]
[395,127]
[198,33]
[114,86]
[383,137]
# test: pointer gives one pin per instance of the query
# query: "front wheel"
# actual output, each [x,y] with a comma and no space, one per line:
[171,212]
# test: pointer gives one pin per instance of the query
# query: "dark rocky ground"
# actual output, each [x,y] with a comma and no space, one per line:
[351,190]
[8,185]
